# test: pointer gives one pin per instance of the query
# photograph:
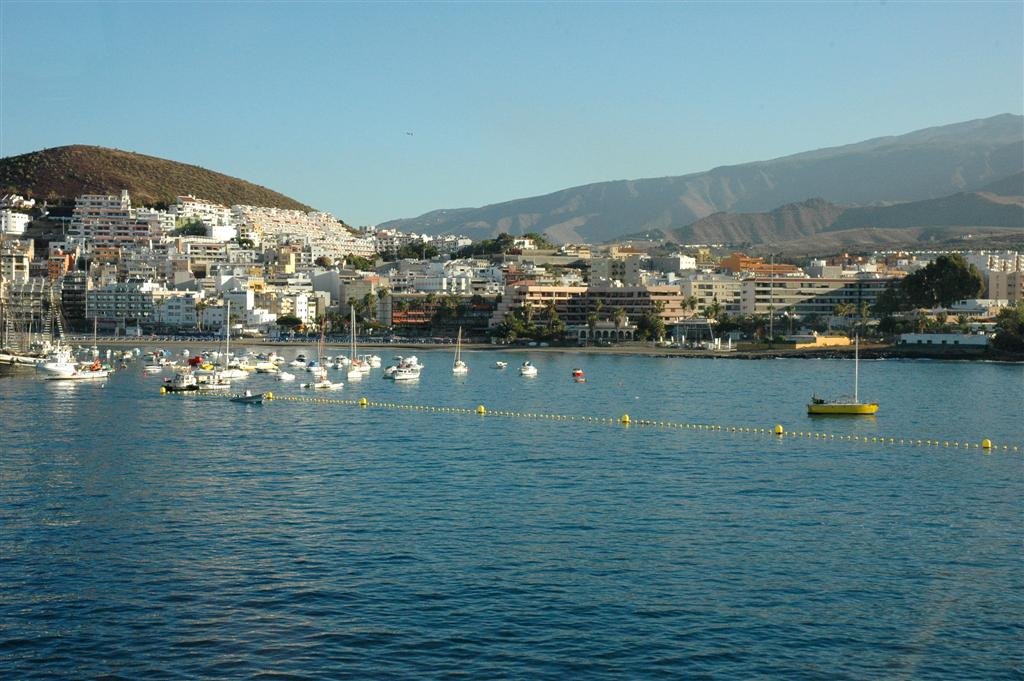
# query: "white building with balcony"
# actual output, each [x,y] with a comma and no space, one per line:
[13,223]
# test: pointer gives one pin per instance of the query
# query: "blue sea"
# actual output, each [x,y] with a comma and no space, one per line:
[149,536]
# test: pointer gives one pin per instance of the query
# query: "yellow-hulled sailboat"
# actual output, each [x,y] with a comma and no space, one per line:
[844,406]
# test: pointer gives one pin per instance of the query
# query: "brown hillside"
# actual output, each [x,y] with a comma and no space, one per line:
[60,174]
[791,221]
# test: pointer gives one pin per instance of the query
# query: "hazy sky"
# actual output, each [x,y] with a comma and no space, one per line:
[503,101]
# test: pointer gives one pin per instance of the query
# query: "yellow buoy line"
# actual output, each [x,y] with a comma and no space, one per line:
[777,431]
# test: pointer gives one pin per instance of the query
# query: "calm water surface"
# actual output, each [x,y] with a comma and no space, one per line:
[149,536]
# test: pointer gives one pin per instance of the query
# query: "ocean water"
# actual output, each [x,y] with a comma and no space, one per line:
[165,536]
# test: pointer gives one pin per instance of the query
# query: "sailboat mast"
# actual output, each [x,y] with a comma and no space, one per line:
[227,334]
[856,368]
[352,325]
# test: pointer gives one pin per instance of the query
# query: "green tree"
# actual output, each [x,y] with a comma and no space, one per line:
[417,251]
[890,301]
[185,227]
[323,261]
[1010,328]
[619,316]
[289,321]
[358,262]
[943,282]
[843,310]
[591,324]
[539,241]
[650,327]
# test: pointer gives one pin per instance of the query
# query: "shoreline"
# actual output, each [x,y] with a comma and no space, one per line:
[867,351]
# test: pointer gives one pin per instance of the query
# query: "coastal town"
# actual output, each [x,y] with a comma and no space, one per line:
[113,268]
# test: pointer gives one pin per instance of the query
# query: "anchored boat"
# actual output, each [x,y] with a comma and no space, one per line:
[845,406]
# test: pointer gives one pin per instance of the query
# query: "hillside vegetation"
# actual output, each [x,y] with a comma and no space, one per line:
[59,174]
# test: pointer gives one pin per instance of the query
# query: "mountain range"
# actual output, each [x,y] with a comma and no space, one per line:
[936,185]
[819,225]
[59,174]
[937,163]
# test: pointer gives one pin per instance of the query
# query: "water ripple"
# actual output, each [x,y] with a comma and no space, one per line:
[153,537]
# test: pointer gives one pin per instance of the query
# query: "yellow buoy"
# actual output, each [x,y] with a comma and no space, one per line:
[163,390]
[269,395]
[986,444]
[480,409]
[625,419]
[779,430]
[363,402]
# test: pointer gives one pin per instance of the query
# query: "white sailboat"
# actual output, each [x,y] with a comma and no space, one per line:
[355,370]
[320,379]
[226,369]
[459,367]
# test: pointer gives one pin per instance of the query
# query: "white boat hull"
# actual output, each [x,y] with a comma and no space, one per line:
[80,376]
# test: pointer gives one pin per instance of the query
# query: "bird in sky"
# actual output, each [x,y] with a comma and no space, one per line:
[409,134]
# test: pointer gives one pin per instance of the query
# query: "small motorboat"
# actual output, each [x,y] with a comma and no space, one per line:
[527,369]
[500,365]
[579,376]
[323,385]
[249,397]
[285,376]
[182,382]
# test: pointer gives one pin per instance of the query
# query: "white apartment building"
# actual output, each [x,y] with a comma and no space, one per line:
[626,270]
[242,299]
[126,301]
[707,289]
[389,241]
[524,244]
[13,223]
[806,295]
[189,208]
[674,263]
[178,310]
[996,261]
[301,305]
[1007,285]
[15,264]
[161,219]
[449,243]
[101,220]
[275,225]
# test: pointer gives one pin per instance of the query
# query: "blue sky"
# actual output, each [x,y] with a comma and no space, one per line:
[504,100]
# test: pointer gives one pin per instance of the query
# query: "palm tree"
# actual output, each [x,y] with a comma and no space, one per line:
[201,306]
[552,314]
[619,315]
[714,309]
[370,305]
[843,310]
